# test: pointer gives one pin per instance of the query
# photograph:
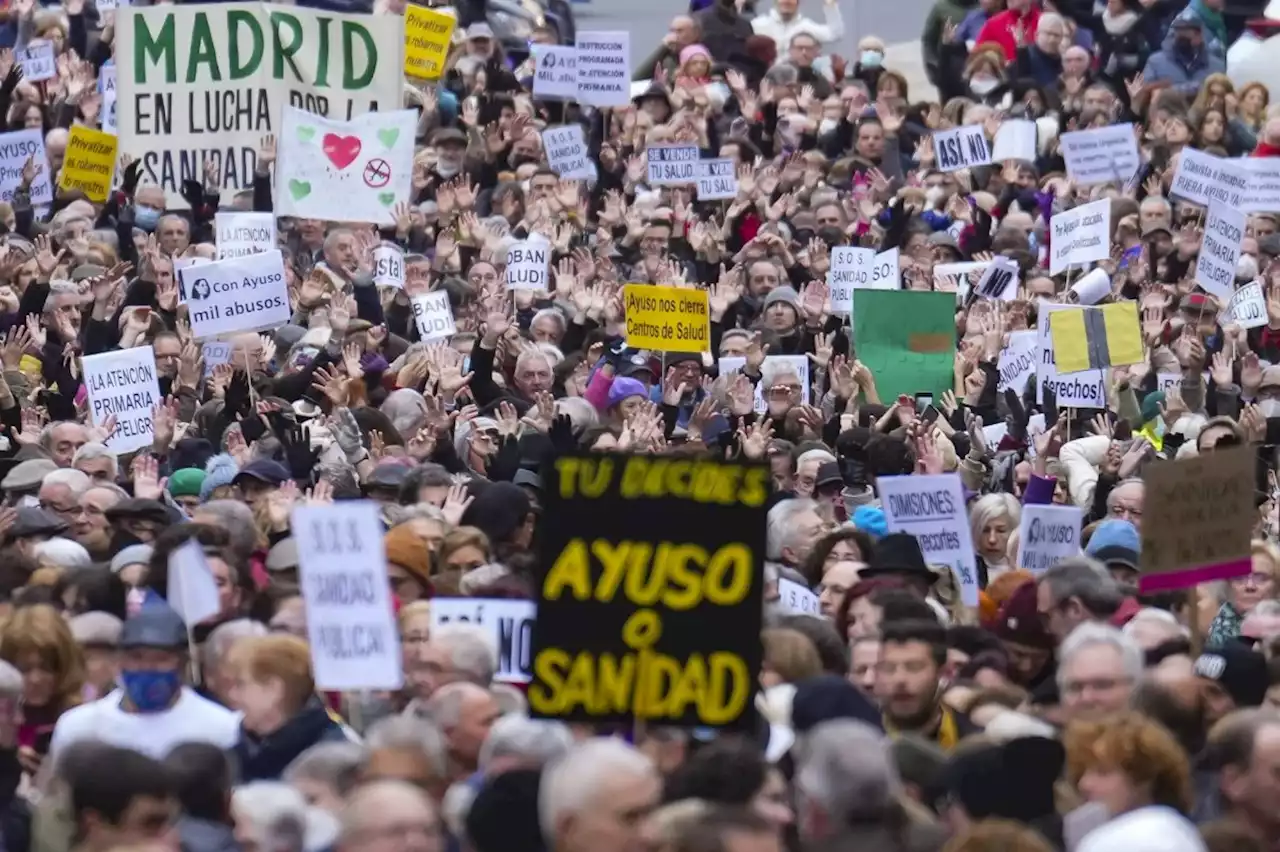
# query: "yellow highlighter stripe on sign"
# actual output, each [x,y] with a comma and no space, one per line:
[672,319]
[1096,337]
[427,34]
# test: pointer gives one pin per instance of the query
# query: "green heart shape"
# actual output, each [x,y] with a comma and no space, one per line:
[299,188]
[387,198]
[306,133]
[388,136]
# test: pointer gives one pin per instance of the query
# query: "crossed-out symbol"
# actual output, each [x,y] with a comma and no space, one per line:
[377,173]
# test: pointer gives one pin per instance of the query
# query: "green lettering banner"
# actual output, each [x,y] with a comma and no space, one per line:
[203,84]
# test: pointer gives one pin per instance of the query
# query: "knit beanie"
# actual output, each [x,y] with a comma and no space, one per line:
[221,470]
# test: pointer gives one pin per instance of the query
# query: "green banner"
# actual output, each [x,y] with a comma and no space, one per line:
[907,338]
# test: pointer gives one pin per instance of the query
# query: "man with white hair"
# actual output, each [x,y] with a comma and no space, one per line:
[455,652]
[596,796]
[60,493]
[97,462]
[382,811]
[517,742]
[464,713]
[793,527]
[1098,668]
[1151,627]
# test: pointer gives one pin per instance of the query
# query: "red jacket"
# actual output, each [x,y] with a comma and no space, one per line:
[1265,150]
[999,30]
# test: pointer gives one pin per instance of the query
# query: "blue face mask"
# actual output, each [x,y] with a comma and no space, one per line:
[150,691]
[871,59]
[146,217]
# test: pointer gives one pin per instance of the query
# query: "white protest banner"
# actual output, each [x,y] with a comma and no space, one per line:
[932,509]
[1015,140]
[1202,178]
[528,265]
[123,383]
[37,61]
[850,269]
[1165,381]
[885,271]
[567,151]
[717,179]
[1047,535]
[961,148]
[509,622]
[108,89]
[1080,235]
[345,171]
[1220,250]
[1263,194]
[1085,389]
[433,315]
[205,82]
[1247,308]
[673,165]
[771,368]
[192,590]
[796,599]
[241,234]
[388,266]
[1000,281]
[15,149]
[1017,362]
[1101,155]
[604,68]
[1093,287]
[555,75]
[237,294]
[215,352]
[342,567]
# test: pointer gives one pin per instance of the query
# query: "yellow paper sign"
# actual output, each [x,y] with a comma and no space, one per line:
[672,319]
[90,162]
[427,33]
[1096,337]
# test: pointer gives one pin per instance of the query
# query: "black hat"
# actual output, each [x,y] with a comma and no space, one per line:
[829,474]
[898,553]
[504,815]
[268,471]
[634,362]
[155,626]
[1014,780]
[826,697]
[34,521]
[142,509]
[1240,670]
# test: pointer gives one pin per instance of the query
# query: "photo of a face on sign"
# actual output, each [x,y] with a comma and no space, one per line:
[346,171]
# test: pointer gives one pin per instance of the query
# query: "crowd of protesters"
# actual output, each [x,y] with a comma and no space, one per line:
[1066,711]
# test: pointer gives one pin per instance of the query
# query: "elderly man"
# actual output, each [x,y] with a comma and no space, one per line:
[382,810]
[464,713]
[1073,592]
[60,493]
[60,441]
[456,653]
[411,749]
[91,528]
[793,527]
[596,796]
[1042,59]
[97,462]
[1098,668]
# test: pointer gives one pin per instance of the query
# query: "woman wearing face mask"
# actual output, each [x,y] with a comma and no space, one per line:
[984,76]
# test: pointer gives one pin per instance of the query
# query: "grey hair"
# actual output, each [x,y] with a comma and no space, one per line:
[1086,579]
[77,481]
[570,783]
[1133,480]
[454,808]
[510,700]
[1090,634]
[280,819]
[1050,18]
[444,707]
[222,637]
[416,511]
[63,553]
[822,456]
[59,288]
[95,450]
[772,370]
[406,409]
[989,507]
[1162,618]
[237,519]
[551,314]
[1268,609]
[120,493]
[582,414]
[411,731]
[337,764]
[781,524]
[529,354]
[471,651]
[847,768]
[46,434]
[10,681]
[533,742]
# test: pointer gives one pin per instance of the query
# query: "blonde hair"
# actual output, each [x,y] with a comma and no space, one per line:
[41,631]
[281,656]
[790,655]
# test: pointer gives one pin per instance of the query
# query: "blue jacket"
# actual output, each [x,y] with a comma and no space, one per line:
[1183,74]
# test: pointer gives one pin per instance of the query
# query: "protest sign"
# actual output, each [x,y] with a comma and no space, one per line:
[1091,338]
[961,148]
[192,590]
[1080,235]
[1047,535]
[89,164]
[1017,362]
[1000,281]
[1085,389]
[38,61]
[796,599]
[427,35]
[528,265]
[651,603]
[717,179]
[850,269]
[342,566]
[1220,250]
[509,622]
[1198,520]
[604,68]
[123,383]
[1168,381]
[240,234]
[670,319]
[907,338]
[345,171]
[932,509]
[237,294]
[1015,140]
[1263,192]
[885,273]
[555,74]
[433,315]
[205,82]
[1093,287]
[1202,178]
[673,165]
[215,352]
[15,149]
[1248,307]
[388,266]
[1101,155]
[567,151]
[108,89]
[798,363]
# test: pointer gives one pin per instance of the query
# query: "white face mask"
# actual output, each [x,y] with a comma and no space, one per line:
[827,125]
[983,85]
[934,195]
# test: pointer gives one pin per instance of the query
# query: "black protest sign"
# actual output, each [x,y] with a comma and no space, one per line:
[650,591]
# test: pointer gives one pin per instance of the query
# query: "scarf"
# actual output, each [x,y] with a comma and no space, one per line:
[1212,20]
[1225,626]
[1118,24]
